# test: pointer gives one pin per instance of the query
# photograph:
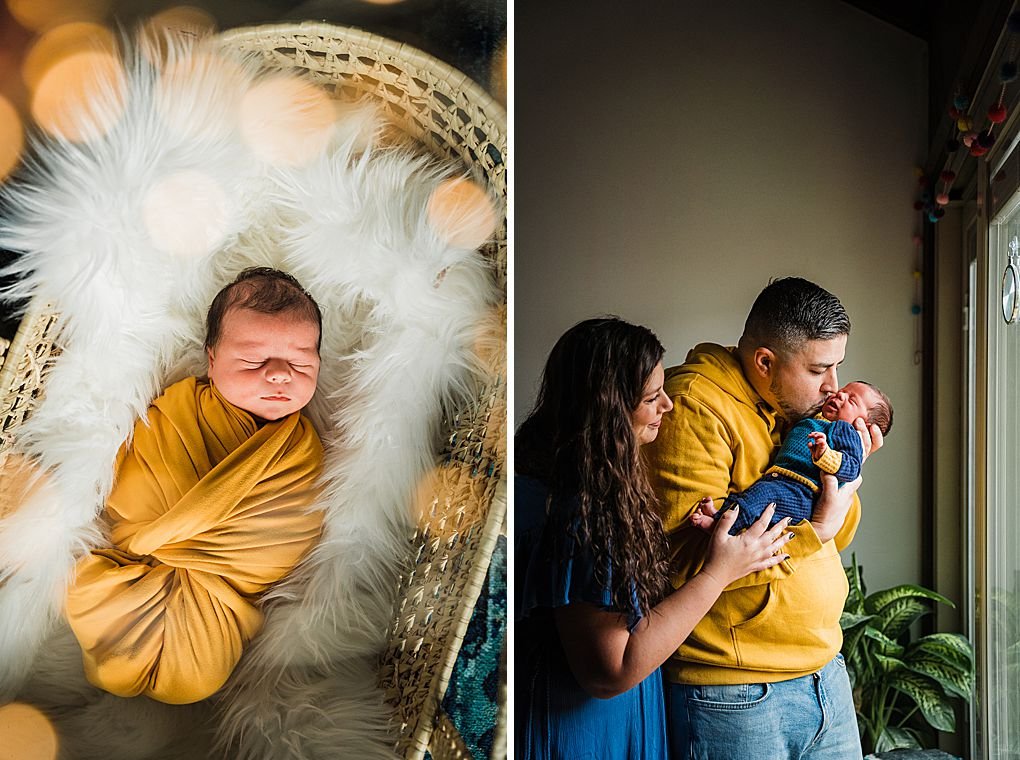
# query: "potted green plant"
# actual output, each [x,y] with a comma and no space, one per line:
[903,687]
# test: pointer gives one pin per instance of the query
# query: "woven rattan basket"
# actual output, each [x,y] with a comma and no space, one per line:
[450,552]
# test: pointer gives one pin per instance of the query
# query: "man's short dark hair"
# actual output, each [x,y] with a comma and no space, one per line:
[264,290]
[790,311]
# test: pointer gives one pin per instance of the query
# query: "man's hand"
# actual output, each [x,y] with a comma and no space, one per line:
[833,504]
[871,437]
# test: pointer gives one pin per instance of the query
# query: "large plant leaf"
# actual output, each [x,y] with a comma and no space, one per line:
[874,603]
[850,620]
[855,599]
[934,705]
[883,644]
[951,648]
[952,680]
[893,737]
[897,615]
[888,664]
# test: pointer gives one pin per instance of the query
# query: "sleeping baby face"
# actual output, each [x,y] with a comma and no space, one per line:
[266,364]
[851,401]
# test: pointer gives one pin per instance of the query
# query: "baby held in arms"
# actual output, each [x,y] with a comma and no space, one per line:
[211,504]
[827,442]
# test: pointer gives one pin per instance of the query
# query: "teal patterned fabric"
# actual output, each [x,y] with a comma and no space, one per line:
[472,698]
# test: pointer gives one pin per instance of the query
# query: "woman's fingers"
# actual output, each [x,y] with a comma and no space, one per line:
[761,525]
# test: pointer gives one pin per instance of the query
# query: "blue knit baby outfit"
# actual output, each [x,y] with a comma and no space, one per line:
[793,480]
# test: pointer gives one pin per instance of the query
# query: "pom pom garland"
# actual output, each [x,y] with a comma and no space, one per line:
[942,199]
[964,123]
[997,113]
[961,102]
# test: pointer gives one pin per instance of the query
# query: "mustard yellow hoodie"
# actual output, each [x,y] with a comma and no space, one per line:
[773,625]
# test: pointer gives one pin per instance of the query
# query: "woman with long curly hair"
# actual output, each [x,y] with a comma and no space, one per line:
[595,614]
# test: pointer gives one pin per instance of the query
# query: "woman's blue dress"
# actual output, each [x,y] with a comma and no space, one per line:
[555,719]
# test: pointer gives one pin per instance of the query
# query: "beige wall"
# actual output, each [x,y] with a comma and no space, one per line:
[672,157]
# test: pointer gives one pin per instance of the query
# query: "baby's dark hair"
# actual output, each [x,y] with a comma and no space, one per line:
[264,290]
[881,413]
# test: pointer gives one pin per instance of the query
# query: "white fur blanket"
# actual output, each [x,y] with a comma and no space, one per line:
[183,180]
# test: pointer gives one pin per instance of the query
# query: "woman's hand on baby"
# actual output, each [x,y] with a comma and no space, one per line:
[757,548]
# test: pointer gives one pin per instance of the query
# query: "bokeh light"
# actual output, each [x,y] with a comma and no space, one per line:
[286,121]
[449,499]
[182,22]
[187,213]
[40,15]
[209,110]
[62,42]
[461,212]
[12,138]
[81,96]
[26,734]
[20,479]
[498,73]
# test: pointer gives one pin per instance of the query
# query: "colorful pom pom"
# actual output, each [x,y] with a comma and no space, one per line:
[917,274]
[915,309]
[977,150]
[997,113]
[952,145]
[969,138]
[964,123]
[986,139]
[947,176]
[955,113]
[961,102]
[942,199]
[1007,72]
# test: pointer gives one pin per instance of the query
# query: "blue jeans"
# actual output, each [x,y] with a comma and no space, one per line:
[807,718]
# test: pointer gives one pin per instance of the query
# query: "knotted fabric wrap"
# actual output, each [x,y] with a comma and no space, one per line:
[208,510]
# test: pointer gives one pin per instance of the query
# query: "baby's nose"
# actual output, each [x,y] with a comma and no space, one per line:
[278,373]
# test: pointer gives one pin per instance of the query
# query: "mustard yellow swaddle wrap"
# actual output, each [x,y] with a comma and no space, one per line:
[208,510]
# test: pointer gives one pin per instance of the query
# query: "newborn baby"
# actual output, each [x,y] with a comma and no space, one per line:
[211,504]
[828,442]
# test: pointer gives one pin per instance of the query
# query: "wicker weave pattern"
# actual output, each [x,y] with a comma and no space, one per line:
[463,510]
[432,102]
[24,364]
[450,745]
